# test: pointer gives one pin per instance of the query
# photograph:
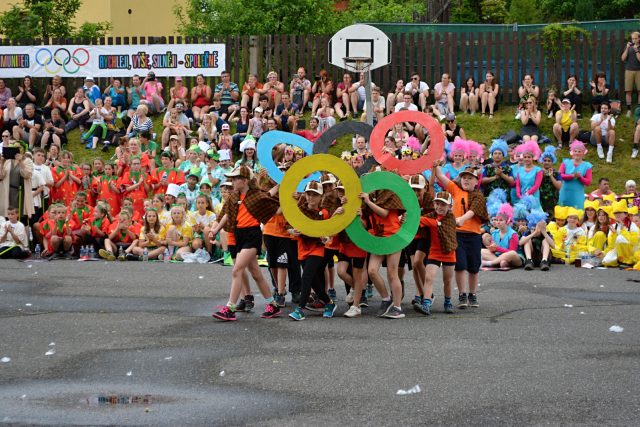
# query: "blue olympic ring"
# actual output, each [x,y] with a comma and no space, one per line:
[62,63]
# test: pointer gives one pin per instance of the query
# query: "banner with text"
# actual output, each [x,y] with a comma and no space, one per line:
[112,61]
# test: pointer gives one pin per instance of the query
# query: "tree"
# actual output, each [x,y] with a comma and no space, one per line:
[46,18]
[479,11]
[524,12]
[466,12]
[493,11]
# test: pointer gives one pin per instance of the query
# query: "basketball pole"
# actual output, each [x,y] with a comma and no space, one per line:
[367,97]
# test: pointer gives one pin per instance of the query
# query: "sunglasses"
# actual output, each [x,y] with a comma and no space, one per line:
[415,78]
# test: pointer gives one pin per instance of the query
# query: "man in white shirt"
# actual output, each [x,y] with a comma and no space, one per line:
[603,128]
[407,104]
[419,90]
[357,103]
[378,106]
[44,180]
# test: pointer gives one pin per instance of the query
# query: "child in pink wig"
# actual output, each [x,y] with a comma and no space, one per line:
[458,153]
[502,245]
[575,174]
[528,177]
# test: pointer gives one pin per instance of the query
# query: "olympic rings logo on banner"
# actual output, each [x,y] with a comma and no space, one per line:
[62,58]
[349,220]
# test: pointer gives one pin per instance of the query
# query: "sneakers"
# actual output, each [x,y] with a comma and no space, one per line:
[227,260]
[528,265]
[108,255]
[329,309]
[349,298]
[248,303]
[316,305]
[610,155]
[297,314]
[225,314]
[634,153]
[394,313]
[384,307]
[242,305]
[517,115]
[463,302]
[279,299]
[105,147]
[295,297]
[332,293]
[353,312]
[364,301]
[544,265]
[270,311]
[132,257]
[628,114]
[424,308]
[448,306]
[600,151]
[473,301]
[369,291]
[417,300]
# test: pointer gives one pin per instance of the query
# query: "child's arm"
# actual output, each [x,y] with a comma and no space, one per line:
[536,184]
[513,245]
[563,175]
[586,179]
[518,189]
[442,178]
[381,212]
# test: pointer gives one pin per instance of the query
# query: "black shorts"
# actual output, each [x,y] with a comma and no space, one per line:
[248,238]
[354,262]
[233,251]
[440,263]
[328,256]
[566,136]
[402,261]
[422,244]
[276,251]
[468,253]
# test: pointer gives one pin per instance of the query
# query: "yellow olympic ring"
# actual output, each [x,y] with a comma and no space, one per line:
[302,168]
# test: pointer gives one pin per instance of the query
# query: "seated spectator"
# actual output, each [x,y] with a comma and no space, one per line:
[256,125]
[135,94]
[228,92]
[149,147]
[325,114]
[207,131]
[284,111]
[566,128]
[418,89]
[175,122]
[343,97]
[603,190]
[176,150]
[599,91]
[242,126]
[98,117]
[54,130]
[56,101]
[225,139]
[453,130]
[603,130]
[407,103]
[27,93]
[153,93]
[469,96]
[11,115]
[399,134]
[270,125]
[502,244]
[312,134]
[78,112]
[200,98]
[5,94]
[357,102]
[117,94]
[527,90]
[395,96]
[56,83]
[300,89]
[530,117]
[273,89]
[553,103]
[179,93]
[378,106]
[14,242]
[322,87]
[443,92]
[249,93]
[91,91]
[139,122]
[29,127]
[573,94]
[489,94]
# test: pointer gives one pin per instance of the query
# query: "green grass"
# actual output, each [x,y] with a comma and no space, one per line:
[481,129]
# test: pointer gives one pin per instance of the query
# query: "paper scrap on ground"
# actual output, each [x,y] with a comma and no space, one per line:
[5,359]
[222,373]
[168,358]
[616,328]
[129,373]
[568,305]
[28,304]
[413,390]
[50,352]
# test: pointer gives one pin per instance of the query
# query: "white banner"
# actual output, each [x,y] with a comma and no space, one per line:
[112,61]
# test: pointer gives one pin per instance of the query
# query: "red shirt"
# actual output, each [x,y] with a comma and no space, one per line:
[244,219]
[68,189]
[79,217]
[124,237]
[387,226]
[435,250]
[309,135]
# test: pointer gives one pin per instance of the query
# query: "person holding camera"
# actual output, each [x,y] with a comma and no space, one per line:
[153,93]
[300,88]
[631,59]
[323,86]
[603,128]
[53,132]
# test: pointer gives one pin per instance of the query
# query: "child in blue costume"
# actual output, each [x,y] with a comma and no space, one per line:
[528,177]
[575,174]
[502,248]
[458,155]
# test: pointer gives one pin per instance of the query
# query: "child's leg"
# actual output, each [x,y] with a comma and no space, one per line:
[462,281]
[110,246]
[206,242]
[154,254]
[447,278]
[430,273]
[473,282]
[55,244]
[256,273]
[312,273]
[359,279]
[528,249]
[375,262]
[241,264]
[546,249]
[488,258]
[281,280]
[394,278]
[419,271]
[133,248]
[104,130]
[343,273]
[68,241]
[508,259]
[196,244]
[181,251]
[88,133]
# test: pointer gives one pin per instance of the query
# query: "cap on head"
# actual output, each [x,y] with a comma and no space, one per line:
[417,181]
[470,172]
[566,101]
[444,197]
[224,155]
[240,171]
[313,186]
[327,178]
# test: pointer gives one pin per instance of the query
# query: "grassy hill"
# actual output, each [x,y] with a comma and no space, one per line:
[483,130]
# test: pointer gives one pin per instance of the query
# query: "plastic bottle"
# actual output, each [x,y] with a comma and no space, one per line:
[145,254]
[83,252]
[92,252]
[166,257]
[121,254]
[37,253]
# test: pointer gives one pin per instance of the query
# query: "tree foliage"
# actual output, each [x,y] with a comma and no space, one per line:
[479,11]
[47,18]
[524,12]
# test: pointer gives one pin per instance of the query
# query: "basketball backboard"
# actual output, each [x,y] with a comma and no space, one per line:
[356,44]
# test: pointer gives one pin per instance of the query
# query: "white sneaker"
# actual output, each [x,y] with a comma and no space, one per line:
[349,298]
[628,113]
[518,115]
[600,151]
[353,312]
[634,153]
[610,156]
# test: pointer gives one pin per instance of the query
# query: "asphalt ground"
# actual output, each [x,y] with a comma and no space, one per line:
[538,351]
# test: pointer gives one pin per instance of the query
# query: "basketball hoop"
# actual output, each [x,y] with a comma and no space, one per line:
[358,63]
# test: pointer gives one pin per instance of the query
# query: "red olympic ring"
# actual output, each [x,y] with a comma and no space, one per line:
[407,167]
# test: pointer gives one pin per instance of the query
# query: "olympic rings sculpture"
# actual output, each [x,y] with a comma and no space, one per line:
[62,58]
[307,168]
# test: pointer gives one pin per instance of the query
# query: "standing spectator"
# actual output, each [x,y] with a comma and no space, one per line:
[530,118]
[11,114]
[91,90]
[56,102]
[78,113]
[300,89]
[419,90]
[53,132]
[489,93]
[469,96]
[200,98]
[153,93]
[273,89]
[284,111]
[249,92]
[443,92]
[322,87]
[5,94]
[46,178]
[29,127]
[631,59]
[117,94]
[228,92]
[27,93]
[135,94]
[566,128]
[395,96]
[603,129]
[599,91]
[343,97]
[573,94]
[15,185]
[178,93]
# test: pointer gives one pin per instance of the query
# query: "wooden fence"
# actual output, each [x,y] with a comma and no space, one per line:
[509,55]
